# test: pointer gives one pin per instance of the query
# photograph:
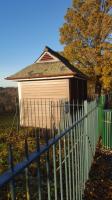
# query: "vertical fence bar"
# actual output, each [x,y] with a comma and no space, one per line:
[80,156]
[60,167]
[65,156]
[78,151]
[50,116]
[38,119]
[69,161]
[48,169]
[108,125]
[73,171]
[66,168]
[75,151]
[45,113]
[54,165]
[76,164]
[86,141]
[96,124]
[38,168]
[26,172]
[30,113]
[42,117]
[11,166]
[55,175]
[17,114]
[83,147]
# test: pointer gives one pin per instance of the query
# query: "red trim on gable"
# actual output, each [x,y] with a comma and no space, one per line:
[46,57]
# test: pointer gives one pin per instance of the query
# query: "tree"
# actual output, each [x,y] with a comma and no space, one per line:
[87,38]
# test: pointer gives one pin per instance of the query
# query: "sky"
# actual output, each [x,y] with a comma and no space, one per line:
[26,27]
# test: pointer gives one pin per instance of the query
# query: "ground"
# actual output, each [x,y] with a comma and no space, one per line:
[99,185]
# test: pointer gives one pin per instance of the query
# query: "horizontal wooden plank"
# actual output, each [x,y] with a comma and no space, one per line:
[37,112]
[45,89]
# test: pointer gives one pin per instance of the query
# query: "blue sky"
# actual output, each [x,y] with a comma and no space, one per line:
[26,27]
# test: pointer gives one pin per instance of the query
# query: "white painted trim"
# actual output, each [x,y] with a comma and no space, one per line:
[39,59]
[46,78]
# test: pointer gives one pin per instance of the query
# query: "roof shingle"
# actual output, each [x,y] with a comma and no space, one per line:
[48,69]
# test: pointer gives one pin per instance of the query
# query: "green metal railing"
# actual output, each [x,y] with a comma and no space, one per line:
[101,104]
[105,121]
[107,131]
[59,168]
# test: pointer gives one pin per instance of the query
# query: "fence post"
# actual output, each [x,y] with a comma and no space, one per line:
[86,141]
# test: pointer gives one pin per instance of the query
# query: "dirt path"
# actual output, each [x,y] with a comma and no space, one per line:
[99,185]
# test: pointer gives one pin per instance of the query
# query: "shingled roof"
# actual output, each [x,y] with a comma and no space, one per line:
[49,64]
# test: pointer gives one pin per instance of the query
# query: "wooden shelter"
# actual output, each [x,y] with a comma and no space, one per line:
[49,79]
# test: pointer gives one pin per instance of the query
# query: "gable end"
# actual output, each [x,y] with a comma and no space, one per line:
[47,57]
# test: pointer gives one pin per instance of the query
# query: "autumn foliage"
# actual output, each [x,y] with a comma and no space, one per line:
[87,38]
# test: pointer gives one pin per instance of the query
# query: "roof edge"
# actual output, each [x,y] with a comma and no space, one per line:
[44,76]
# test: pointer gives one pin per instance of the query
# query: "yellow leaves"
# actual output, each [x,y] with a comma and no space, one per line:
[69,15]
[89,71]
[69,52]
[106,26]
[85,35]
[107,82]
[106,76]
[67,34]
[97,70]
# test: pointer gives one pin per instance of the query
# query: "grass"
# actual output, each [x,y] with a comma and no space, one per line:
[17,139]
[9,134]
